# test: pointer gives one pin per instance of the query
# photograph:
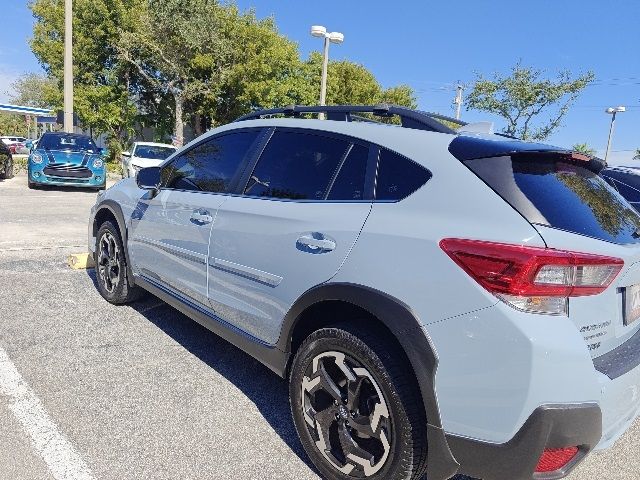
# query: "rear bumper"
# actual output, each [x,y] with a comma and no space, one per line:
[620,395]
[550,426]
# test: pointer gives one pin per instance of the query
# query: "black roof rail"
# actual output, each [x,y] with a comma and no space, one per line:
[409,118]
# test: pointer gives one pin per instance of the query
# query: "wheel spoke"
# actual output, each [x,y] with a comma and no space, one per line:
[353,389]
[328,385]
[362,425]
[351,449]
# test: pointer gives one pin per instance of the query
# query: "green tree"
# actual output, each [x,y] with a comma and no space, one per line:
[351,83]
[35,90]
[522,97]
[179,52]
[104,86]
[584,148]
[637,154]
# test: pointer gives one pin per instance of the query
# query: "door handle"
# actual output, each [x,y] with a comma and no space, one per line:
[201,217]
[315,243]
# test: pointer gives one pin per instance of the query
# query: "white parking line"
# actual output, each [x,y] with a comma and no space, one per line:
[59,455]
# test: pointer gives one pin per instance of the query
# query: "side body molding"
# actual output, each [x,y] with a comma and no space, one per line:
[403,323]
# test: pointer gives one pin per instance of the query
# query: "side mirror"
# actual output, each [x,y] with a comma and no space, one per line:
[149,179]
[29,144]
[126,154]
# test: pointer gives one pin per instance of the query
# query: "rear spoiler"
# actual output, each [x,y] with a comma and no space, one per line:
[472,147]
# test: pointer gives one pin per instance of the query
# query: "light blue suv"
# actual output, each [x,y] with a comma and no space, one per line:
[442,301]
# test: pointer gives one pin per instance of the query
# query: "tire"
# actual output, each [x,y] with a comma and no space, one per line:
[31,185]
[342,429]
[111,267]
[8,170]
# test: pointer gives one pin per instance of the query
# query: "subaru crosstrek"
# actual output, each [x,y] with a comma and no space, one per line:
[442,301]
[66,159]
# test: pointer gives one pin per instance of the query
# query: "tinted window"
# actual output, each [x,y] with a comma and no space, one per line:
[154,152]
[398,177]
[628,192]
[349,184]
[210,166]
[549,191]
[297,166]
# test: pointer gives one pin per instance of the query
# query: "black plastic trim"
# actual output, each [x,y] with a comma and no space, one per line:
[620,360]
[404,324]
[270,356]
[116,211]
[549,426]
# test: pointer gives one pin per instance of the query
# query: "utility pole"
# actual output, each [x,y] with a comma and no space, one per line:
[612,111]
[68,66]
[458,100]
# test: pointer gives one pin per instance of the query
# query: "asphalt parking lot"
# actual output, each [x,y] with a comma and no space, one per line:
[90,390]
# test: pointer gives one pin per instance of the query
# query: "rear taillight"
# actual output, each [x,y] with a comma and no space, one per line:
[533,279]
[554,459]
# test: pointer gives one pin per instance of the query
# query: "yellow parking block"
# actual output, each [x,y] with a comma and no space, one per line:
[80,260]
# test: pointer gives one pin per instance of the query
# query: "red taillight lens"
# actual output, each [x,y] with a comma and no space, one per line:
[553,459]
[532,271]
[532,278]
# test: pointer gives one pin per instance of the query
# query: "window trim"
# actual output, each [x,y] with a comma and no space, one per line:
[250,156]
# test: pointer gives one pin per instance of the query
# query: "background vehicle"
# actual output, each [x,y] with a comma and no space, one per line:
[66,159]
[626,180]
[144,154]
[496,332]
[6,162]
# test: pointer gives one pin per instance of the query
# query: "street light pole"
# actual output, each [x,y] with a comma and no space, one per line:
[68,66]
[334,37]
[612,111]
[325,64]
[458,100]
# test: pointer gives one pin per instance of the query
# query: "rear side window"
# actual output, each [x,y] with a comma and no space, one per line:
[549,191]
[398,177]
[350,182]
[210,166]
[297,166]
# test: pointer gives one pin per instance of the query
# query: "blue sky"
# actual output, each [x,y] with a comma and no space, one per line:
[432,45]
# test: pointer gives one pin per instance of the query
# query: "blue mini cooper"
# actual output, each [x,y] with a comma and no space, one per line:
[66,159]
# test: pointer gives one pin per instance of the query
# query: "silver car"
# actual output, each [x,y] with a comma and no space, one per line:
[441,301]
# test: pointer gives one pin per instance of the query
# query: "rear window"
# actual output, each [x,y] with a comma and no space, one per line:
[555,193]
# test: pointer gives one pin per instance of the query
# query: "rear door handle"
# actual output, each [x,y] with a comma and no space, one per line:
[201,217]
[315,243]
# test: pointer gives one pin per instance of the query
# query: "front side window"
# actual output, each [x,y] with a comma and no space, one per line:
[212,165]
[297,166]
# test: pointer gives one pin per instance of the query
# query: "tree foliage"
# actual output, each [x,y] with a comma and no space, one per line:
[524,96]
[584,148]
[164,63]
[34,90]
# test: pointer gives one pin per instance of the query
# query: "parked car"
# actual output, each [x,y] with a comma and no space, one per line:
[626,180]
[144,154]
[441,301]
[66,159]
[8,140]
[6,162]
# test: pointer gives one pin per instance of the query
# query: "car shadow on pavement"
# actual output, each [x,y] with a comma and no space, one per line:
[264,388]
